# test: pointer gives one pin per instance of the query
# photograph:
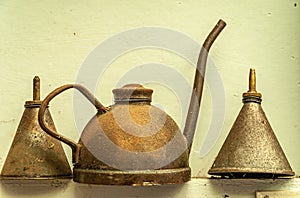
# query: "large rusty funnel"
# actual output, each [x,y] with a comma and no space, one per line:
[33,153]
[251,150]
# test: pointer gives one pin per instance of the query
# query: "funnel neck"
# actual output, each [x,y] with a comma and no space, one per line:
[35,102]
[252,95]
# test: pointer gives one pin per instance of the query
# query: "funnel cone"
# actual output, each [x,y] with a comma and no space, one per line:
[33,153]
[251,150]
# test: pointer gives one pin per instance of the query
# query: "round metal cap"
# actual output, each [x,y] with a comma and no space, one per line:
[132,93]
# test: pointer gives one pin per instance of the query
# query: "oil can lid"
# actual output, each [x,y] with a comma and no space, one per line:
[132,93]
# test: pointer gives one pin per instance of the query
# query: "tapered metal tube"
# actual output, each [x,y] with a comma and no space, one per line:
[252,95]
[36,88]
[192,116]
[252,81]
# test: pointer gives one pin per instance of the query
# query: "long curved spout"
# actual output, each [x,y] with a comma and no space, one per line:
[192,116]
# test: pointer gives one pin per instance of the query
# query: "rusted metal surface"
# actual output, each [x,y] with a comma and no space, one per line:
[193,112]
[144,145]
[134,178]
[121,125]
[158,130]
[34,154]
[251,149]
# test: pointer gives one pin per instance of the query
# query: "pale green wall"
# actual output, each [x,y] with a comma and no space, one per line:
[37,38]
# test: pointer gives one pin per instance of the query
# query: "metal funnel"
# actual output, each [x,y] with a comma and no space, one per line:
[33,153]
[251,149]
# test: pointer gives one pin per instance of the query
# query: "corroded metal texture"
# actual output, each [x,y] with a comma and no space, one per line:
[132,93]
[34,154]
[251,148]
[135,128]
[133,178]
[133,142]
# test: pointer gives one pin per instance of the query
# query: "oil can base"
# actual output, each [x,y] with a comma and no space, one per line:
[133,178]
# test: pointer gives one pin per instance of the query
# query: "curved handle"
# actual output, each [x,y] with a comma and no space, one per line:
[75,146]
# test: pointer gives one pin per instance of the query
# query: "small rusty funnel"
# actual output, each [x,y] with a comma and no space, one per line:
[251,149]
[33,153]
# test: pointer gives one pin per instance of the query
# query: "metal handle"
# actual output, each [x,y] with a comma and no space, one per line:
[74,146]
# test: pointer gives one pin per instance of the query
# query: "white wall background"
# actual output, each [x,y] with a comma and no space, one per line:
[52,39]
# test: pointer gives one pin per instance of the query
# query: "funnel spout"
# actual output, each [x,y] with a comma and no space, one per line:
[252,81]
[192,116]
[36,88]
